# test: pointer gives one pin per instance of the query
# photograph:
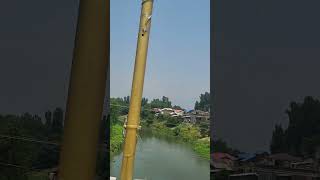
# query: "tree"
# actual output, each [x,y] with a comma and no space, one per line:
[48,117]
[163,103]
[177,107]
[204,103]
[166,102]
[115,110]
[220,146]
[126,100]
[57,123]
[278,142]
[172,121]
[144,102]
[302,134]
[14,151]
[204,128]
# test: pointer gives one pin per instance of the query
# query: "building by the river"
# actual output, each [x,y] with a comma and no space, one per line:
[262,166]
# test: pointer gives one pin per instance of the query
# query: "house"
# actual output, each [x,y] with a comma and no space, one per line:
[199,115]
[275,173]
[196,116]
[282,160]
[308,164]
[156,110]
[189,119]
[167,111]
[178,112]
[276,167]
[222,161]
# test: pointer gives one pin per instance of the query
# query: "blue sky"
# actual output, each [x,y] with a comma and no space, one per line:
[179,49]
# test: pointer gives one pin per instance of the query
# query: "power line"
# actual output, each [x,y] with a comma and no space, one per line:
[21,138]
[14,165]
[23,167]
[28,139]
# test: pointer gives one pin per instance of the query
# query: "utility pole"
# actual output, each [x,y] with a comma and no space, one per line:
[132,125]
[86,92]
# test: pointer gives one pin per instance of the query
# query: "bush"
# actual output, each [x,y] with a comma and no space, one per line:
[116,138]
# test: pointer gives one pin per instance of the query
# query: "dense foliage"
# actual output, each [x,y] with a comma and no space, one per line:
[204,103]
[32,144]
[302,136]
[161,103]
[18,144]
[116,138]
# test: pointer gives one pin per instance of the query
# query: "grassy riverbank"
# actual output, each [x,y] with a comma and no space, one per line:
[202,147]
[186,133]
[116,138]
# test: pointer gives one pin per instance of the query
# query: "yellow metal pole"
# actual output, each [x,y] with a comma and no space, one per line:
[86,92]
[136,92]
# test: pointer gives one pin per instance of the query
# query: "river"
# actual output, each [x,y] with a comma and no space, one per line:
[164,158]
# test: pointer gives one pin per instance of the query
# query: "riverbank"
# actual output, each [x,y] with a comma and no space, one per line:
[186,133]
[116,139]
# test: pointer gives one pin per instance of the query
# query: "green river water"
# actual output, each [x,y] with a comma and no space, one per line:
[164,158]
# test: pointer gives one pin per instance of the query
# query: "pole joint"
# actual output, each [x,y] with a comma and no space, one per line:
[132,126]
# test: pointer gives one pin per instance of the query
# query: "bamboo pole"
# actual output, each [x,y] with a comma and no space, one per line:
[136,92]
[86,92]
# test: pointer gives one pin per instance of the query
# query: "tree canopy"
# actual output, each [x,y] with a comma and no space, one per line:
[204,103]
[302,136]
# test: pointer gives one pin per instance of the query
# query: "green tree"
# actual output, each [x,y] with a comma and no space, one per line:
[173,121]
[177,107]
[57,120]
[48,117]
[302,134]
[166,102]
[204,103]
[220,145]
[144,102]
[126,100]
[16,151]
[278,142]
[163,103]
[204,128]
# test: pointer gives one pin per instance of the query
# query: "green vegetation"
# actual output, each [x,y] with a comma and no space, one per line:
[202,147]
[185,132]
[25,153]
[116,138]
[302,136]
[26,147]
[118,109]
[163,103]
[194,134]
[204,103]
[161,129]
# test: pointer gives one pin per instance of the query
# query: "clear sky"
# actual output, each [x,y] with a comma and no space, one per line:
[179,49]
